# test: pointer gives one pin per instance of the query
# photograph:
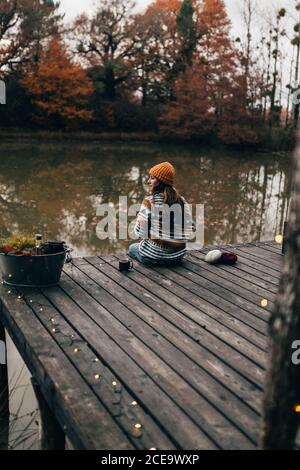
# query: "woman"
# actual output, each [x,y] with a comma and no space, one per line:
[164,222]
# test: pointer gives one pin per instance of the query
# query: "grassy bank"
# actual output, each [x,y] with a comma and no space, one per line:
[268,139]
[21,135]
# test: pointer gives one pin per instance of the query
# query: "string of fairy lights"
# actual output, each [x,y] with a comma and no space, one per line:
[137,429]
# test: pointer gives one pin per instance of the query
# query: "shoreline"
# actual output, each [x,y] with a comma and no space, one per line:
[280,144]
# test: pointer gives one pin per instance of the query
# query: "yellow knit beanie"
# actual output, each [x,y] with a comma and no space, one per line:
[164,172]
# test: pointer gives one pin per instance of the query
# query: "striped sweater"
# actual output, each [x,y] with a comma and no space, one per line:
[164,235]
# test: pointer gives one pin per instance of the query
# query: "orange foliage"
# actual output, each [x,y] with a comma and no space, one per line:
[59,87]
[214,16]
[166,6]
[189,116]
[209,95]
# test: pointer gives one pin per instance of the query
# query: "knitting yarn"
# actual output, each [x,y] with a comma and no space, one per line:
[213,256]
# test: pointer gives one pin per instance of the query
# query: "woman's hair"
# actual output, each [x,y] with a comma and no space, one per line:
[171,195]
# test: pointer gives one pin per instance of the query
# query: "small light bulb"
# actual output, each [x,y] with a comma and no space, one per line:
[153,448]
[76,350]
[9,292]
[96,360]
[134,403]
[41,310]
[10,275]
[297,408]
[114,383]
[279,239]
[97,376]
[30,301]
[53,330]
[138,426]
[264,303]
[19,297]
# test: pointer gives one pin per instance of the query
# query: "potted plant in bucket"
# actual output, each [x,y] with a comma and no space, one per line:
[26,261]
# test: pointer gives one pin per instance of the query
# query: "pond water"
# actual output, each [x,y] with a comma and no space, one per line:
[55,189]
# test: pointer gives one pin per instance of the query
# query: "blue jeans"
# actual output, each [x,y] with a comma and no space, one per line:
[134,253]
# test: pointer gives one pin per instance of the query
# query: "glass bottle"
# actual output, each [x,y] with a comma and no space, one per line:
[38,242]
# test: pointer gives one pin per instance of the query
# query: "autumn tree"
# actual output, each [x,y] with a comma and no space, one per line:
[106,42]
[188,32]
[168,10]
[208,94]
[59,88]
[249,8]
[170,45]
[217,50]
[24,25]
[276,54]
[251,72]
[189,116]
[264,64]
[149,69]
[156,50]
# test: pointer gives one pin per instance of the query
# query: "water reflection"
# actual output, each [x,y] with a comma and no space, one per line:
[55,189]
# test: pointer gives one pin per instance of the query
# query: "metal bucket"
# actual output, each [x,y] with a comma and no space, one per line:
[32,271]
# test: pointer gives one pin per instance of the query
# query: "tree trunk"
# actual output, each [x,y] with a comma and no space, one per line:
[280,419]
[269,44]
[4,393]
[296,108]
[290,91]
[274,84]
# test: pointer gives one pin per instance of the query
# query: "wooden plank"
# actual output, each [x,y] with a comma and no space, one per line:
[262,256]
[232,278]
[231,304]
[247,275]
[194,265]
[65,391]
[246,267]
[197,353]
[83,357]
[256,264]
[275,250]
[174,370]
[272,251]
[185,304]
[258,256]
[197,329]
[278,254]
[186,344]
[270,246]
[188,291]
[267,252]
[127,357]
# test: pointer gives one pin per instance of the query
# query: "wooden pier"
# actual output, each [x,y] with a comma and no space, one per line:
[156,358]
